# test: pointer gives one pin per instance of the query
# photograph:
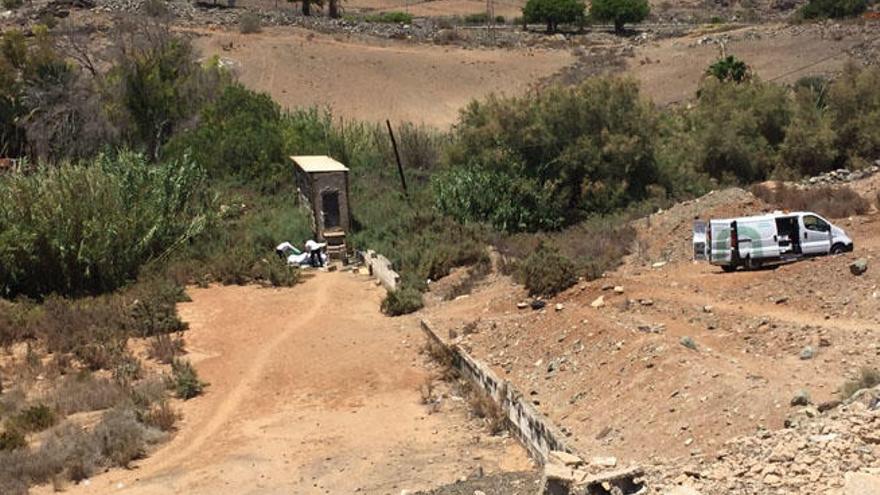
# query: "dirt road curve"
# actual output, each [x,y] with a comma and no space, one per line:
[312,390]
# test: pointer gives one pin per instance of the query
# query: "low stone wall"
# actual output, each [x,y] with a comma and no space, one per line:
[380,267]
[534,430]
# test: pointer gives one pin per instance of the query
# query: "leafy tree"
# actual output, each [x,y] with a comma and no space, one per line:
[809,145]
[554,12]
[159,84]
[737,129]
[854,105]
[620,12]
[729,68]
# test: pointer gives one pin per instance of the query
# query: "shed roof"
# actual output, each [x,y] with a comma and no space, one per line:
[318,163]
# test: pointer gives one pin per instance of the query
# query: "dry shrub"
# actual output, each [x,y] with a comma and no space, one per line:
[441,355]
[122,438]
[249,23]
[84,392]
[832,202]
[148,392]
[12,439]
[160,416]
[484,407]
[164,348]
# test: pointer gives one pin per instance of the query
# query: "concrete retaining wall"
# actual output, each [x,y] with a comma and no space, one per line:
[533,429]
[380,267]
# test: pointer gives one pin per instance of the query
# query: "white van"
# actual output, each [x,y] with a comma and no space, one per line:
[764,239]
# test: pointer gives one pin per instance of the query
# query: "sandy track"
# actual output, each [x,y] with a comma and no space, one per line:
[377,80]
[312,391]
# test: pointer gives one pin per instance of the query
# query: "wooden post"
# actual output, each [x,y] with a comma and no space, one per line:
[397,156]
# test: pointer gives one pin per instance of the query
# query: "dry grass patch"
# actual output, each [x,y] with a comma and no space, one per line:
[832,202]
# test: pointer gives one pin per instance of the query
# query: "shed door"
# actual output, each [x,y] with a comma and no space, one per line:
[330,208]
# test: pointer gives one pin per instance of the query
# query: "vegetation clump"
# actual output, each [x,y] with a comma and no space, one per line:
[833,9]
[184,380]
[620,12]
[402,301]
[554,12]
[392,17]
[546,272]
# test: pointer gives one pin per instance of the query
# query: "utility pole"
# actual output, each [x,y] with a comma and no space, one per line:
[490,18]
[397,157]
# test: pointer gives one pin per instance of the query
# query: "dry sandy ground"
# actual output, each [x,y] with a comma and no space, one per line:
[670,70]
[311,391]
[376,80]
[618,379]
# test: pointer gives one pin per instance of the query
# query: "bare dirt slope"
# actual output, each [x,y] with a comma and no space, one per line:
[670,69]
[617,377]
[378,79]
[311,390]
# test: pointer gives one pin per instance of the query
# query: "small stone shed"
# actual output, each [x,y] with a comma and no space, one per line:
[324,188]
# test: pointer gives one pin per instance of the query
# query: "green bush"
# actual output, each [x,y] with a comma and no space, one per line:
[12,439]
[620,12]
[729,68]
[89,228]
[34,418]
[390,18]
[402,301]
[554,12]
[737,129]
[854,107]
[546,272]
[184,380]
[507,203]
[249,23]
[573,151]
[834,9]
[477,18]
[238,135]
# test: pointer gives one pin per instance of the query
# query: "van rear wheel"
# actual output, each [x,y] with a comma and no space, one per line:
[728,268]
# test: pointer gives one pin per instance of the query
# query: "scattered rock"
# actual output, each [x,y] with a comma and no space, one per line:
[858,266]
[600,461]
[646,302]
[659,264]
[618,289]
[537,304]
[598,302]
[807,353]
[801,398]
[688,342]
[781,300]
[564,458]
[559,307]
[522,305]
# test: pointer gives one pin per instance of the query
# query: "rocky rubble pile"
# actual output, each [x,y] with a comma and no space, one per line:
[843,175]
[831,452]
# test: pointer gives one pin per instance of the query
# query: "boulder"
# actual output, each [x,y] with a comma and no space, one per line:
[564,458]
[858,266]
[807,352]
[598,302]
[801,398]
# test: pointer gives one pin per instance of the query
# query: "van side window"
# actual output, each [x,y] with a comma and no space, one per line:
[816,224]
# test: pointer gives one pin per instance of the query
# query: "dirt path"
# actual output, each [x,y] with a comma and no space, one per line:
[312,390]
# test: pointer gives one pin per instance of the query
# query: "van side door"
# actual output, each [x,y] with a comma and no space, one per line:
[815,235]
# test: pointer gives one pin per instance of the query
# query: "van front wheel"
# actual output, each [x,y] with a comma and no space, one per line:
[838,249]
[728,268]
